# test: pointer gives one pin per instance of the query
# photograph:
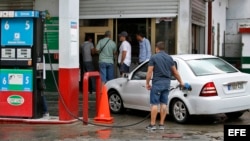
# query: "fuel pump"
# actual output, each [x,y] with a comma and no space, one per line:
[21,63]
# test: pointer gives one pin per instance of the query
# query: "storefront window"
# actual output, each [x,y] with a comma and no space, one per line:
[132,26]
[166,32]
[198,39]
[94,22]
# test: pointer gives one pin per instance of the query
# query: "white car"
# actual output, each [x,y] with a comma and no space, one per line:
[217,87]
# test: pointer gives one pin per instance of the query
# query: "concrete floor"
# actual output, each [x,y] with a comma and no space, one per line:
[200,128]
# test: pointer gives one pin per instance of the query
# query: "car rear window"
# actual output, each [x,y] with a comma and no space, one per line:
[210,66]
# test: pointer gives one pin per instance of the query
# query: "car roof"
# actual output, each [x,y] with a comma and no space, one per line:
[192,56]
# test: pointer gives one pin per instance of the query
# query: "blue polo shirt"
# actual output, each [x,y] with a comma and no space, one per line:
[144,50]
[162,63]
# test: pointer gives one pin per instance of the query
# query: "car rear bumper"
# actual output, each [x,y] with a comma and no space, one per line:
[217,105]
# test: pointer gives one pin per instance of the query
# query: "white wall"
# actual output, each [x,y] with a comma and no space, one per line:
[51,5]
[238,12]
[238,9]
[218,17]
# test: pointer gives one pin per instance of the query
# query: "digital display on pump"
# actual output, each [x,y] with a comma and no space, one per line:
[17,32]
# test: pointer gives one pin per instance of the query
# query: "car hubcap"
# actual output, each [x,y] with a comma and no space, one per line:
[179,110]
[115,102]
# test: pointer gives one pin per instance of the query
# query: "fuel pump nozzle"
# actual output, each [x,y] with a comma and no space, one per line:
[186,87]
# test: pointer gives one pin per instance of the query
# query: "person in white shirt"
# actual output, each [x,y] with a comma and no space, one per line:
[124,58]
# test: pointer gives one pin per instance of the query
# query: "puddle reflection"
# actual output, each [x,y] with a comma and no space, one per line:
[104,133]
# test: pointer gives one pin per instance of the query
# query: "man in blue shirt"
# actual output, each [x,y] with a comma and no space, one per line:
[144,47]
[161,66]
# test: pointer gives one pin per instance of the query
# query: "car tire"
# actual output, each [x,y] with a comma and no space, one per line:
[115,102]
[234,115]
[179,111]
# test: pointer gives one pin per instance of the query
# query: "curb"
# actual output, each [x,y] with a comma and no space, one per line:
[51,120]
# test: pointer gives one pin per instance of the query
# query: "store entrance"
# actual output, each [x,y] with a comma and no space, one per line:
[95,38]
[132,26]
[96,28]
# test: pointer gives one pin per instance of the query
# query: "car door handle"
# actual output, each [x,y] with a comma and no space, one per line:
[144,86]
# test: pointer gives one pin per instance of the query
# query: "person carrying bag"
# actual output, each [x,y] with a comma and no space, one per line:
[107,49]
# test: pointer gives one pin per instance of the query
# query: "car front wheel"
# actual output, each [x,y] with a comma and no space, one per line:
[179,111]
[234,115]
[115,102]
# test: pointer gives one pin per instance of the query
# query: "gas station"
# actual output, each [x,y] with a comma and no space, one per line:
[22,66]
[24,43]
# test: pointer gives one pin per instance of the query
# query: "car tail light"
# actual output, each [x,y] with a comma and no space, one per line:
[208,90]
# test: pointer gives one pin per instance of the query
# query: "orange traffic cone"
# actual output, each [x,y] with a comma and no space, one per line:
[103,113]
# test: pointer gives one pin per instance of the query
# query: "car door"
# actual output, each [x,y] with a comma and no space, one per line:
[136,95]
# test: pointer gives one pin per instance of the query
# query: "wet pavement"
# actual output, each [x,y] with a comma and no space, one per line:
[77,131]
[200,128]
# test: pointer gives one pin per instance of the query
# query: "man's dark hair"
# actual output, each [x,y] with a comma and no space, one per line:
[140,34]
[160,45]
[87,38]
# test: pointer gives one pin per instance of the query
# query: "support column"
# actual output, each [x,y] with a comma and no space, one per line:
[209,36]
[184,27]
[68,58]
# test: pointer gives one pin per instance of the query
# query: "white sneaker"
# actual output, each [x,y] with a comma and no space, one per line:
[161,127]
[46,116]
[151,127]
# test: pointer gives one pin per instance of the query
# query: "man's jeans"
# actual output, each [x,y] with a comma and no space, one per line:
[88,66]
[107,71]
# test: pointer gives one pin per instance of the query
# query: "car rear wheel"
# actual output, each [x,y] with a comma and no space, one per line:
[234,115]
[115,102]
[179,111]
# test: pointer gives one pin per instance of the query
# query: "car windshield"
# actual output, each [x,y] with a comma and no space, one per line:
[210,66]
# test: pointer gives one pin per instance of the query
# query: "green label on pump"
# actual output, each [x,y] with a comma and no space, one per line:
[15,100]
[16,80]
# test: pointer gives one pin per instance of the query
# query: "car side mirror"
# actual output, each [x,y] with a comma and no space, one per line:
[125,75]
